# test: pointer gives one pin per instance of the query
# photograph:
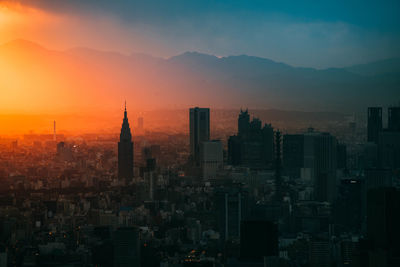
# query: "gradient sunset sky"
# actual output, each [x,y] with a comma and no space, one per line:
[320,34]
[317,34]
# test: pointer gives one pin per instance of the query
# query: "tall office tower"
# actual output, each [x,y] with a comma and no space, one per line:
[243,122]
[267,133]
[347,210]
[389,149]
[126,247]
[394,119]
[293,154]
[383,220]
[232,208]
[313,157]
[199,130]
[253,146]
[234,150]
[374,123]
[211,158]
[278,163]
[374,178]
[125,151]
[258,239]
[325,165]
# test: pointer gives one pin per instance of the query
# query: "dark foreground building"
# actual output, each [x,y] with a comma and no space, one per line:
[383,232]
[258,239]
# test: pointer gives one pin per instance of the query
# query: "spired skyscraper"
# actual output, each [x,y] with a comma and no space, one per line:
[125,151]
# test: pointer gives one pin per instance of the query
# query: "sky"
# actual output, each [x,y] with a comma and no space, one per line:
[307,33]
[36,84]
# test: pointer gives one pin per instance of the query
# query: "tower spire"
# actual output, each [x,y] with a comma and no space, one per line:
[54,131]
[125,151]
[125,113]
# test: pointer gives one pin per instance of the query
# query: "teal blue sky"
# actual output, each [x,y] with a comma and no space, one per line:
[302,33]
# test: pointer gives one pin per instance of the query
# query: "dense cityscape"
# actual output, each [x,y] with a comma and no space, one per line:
[204,133]
[260,197]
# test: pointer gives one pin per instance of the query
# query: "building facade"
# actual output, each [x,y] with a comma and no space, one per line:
[199,123]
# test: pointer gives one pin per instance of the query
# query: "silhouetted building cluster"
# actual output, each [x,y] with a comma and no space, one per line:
[280,198]
[253,146]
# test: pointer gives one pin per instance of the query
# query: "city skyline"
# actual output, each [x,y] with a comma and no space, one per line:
[175,84]
[205,133]
[288,56]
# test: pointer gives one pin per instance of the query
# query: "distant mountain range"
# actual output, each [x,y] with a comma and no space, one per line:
[83,76]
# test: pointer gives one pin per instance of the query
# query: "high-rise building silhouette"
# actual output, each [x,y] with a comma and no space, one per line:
[394,119]
[389,149]
[293,154]
[199,130]
[278,163]
[325,167]
[211,158]
[243,122]
[313,157]
[125,151]
[374,123]
[383,221]
[232,206]
[253,146]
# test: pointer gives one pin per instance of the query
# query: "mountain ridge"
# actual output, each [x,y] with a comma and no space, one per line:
[194,78]
[19,42]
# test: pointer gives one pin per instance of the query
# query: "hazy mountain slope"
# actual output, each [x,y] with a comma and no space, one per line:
[386,66]
[84,77]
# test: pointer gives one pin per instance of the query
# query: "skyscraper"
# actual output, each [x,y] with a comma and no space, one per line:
[278,163]
[211,158]
[374,123]
[125,151]
[243,122]
[383,221]
[199,130]
[232,206]
[293,154]
[313,157]
[253,146]
[394,119]
[325,167]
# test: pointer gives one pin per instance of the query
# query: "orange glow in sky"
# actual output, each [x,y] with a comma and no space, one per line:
[35,79]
